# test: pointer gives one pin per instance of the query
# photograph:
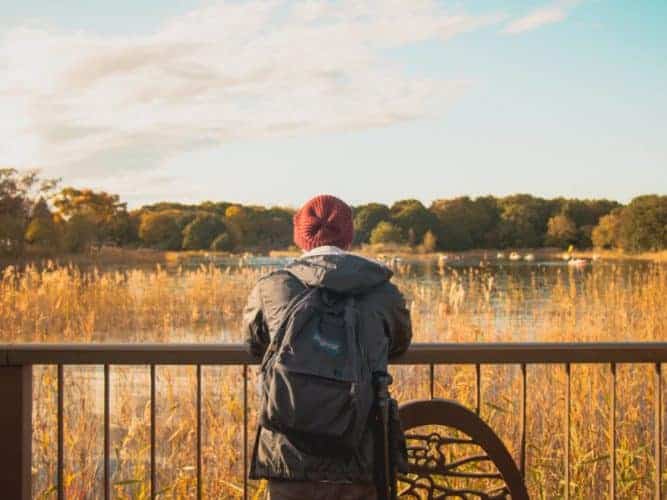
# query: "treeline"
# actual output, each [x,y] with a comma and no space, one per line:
[517,221]
[36,213]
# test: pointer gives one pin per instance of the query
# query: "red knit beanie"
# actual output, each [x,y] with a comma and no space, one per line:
[324,220]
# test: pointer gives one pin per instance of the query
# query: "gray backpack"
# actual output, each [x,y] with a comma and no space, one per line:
[317,385]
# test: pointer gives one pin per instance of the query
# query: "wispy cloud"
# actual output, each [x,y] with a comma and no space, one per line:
[85,103]
[549,14]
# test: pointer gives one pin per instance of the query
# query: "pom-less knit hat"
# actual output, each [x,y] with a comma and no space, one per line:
[324,220]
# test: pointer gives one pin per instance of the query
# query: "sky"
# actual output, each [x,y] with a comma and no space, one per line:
[274,101]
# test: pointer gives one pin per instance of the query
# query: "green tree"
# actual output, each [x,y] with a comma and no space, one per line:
[413,219]
[464,223]
[643,225]
[200,233]
[523,220]
[19,192]
[366,218]
[484,221]
[273,227]
[223,243]
[11,234]
[561,231]
[453,228]
[585,214]
[606,233]
[79,233]
[160,230]
[386,232]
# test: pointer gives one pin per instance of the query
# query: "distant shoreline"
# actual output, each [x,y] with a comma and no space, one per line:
[136,257]
[491,254]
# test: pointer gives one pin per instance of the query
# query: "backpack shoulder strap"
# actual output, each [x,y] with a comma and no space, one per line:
[287,313]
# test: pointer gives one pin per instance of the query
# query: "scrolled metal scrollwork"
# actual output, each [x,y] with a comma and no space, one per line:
[434,473]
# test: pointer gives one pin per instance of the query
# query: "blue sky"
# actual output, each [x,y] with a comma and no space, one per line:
[272,102]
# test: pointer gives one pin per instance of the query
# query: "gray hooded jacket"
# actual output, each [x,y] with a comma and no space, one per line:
[384,326]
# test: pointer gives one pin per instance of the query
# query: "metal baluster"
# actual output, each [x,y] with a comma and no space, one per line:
[522,457]
[245,432]
[199,436]
[431,386]
[658,431]
[107,493]
[61,432]
[478,388]
[612,434]
[568,412]
[153,474]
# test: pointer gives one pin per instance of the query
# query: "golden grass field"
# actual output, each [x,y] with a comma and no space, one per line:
[65,304]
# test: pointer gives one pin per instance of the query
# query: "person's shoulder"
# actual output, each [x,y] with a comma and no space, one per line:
[388,287]
[275,276]
[385,294]
[276,280]
[276,289]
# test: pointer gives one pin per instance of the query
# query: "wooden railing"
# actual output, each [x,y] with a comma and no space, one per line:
[16,363]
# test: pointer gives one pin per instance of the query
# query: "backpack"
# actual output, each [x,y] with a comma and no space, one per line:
[316,385]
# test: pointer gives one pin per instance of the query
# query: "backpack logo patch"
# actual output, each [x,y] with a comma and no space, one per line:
[328,346]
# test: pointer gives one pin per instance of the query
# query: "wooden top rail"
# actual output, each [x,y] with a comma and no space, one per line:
[418,354]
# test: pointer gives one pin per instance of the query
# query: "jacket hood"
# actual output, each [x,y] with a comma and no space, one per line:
[342,273]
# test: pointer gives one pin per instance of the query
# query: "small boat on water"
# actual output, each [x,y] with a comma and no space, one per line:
[529,257]
[577,262]
[515,256]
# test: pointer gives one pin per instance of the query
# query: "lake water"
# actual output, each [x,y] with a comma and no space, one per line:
[500,292]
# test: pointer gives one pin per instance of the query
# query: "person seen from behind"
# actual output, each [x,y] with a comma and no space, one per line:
[323,326]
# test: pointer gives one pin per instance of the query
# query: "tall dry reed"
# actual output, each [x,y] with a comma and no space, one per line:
[66,304]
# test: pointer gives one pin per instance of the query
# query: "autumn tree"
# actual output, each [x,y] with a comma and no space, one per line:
[585,214]
[606,233]
[561,231]
[42,230]
[386,232]
[104,211]
[238,220]
[366,218]
[160,230]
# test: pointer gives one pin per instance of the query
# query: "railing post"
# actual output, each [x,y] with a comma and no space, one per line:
[16,431]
